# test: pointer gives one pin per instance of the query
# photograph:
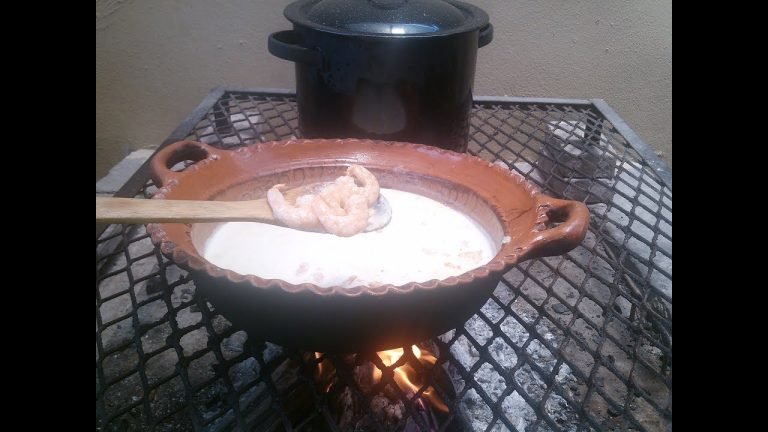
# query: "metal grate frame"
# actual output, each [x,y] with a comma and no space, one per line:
[577,342]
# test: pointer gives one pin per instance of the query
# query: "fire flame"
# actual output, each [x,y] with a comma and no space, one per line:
[406,376]
[321,374]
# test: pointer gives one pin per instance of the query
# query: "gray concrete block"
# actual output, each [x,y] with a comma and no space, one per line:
[121,172]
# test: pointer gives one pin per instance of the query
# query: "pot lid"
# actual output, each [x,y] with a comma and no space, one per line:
[387,17]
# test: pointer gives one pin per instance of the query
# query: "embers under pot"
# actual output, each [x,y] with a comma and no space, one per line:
[388,69]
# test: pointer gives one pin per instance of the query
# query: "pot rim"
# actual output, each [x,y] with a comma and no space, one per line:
[541,241]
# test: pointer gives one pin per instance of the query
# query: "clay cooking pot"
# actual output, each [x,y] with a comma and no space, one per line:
[518,218]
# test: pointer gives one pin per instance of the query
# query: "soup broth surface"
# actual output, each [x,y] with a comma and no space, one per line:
[424,240]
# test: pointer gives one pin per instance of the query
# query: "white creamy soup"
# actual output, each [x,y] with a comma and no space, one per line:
[424,240]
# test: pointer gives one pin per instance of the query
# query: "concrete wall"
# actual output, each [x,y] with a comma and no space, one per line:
[156,59]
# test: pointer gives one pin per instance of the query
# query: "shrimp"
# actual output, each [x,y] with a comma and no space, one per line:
[334,194]
[369,183]
[340,208]
[294,216]
[353,218]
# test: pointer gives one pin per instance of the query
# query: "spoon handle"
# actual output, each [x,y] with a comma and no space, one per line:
[136,210]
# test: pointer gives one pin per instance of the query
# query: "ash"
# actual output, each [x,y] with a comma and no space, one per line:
[498,385]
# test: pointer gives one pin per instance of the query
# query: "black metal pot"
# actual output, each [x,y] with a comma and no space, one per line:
[400,70]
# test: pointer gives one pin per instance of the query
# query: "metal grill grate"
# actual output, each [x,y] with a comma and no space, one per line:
[581,341]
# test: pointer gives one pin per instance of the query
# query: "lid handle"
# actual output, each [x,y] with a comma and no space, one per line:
[387,4]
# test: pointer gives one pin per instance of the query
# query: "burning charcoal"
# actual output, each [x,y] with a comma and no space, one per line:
[357,399]
[346,410]
[387,411]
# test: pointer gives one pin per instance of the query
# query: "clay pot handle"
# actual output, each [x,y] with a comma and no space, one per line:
[573,217]
[177,152]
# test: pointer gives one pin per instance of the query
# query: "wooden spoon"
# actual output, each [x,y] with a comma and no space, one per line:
[141,211]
